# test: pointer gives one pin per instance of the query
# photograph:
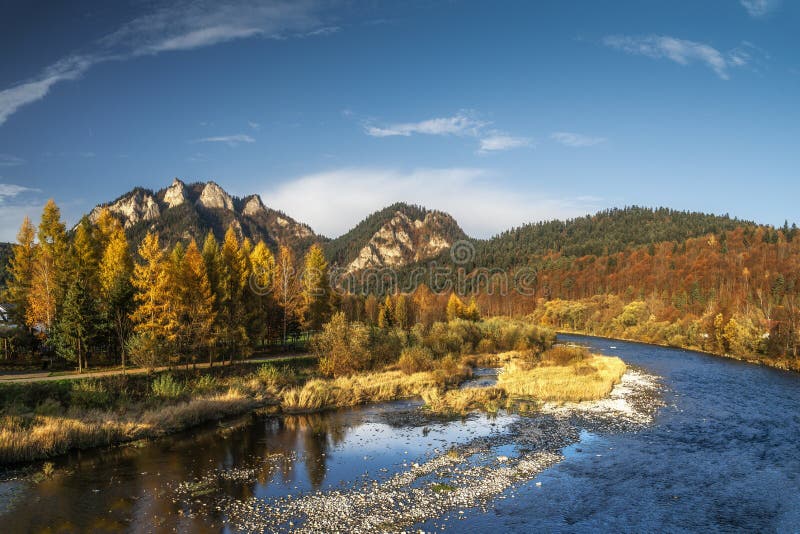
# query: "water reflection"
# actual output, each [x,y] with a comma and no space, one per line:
[175,483]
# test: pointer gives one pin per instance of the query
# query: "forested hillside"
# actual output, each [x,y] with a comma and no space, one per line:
[605,232]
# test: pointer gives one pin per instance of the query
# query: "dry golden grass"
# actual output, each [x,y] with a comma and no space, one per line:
[589,379]
[461,401]
[367,387]
[26,439]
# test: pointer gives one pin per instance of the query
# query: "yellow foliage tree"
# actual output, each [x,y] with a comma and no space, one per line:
[155,319]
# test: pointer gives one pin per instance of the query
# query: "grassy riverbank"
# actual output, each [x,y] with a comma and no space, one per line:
[45,419]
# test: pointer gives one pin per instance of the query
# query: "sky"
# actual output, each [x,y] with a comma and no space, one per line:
[500,113]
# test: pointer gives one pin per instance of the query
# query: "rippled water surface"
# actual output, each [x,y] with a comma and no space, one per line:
[722,455]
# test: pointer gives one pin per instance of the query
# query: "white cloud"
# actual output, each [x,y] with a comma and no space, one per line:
[20,95]
[497,142]
[460,124]
[254,125]
[171,27]
[12,190]
[230,140]
[682,51]
[7,160]
[575,139]
[333,202]
[759,8]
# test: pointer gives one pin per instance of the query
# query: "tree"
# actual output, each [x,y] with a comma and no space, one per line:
[114,273]
[233,277]
[75,328]
[386,313]
[20,270]
[472,312]
[401,311]
[455,307]
[156,323]
[316,289]
[261,287]
[195,309]
[49,271]
[288,290]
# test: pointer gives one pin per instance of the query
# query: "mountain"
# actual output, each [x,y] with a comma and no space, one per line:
[396,236]
[182,211]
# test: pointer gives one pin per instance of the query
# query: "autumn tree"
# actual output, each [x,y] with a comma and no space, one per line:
[261,287]
[20,271]
[288,289]
[316,289]
[156,323]
[195,306]
[233,279]
[114,274]
[49,271]
[455,307]
[386,313]
[401,315]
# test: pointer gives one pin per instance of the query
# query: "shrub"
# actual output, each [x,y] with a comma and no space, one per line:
[89,393]
[416,359]
[342,347]
[166,387]
[205,384]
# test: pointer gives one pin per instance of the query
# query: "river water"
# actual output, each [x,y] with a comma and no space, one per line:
[722,454]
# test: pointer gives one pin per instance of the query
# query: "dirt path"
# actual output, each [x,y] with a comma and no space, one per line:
[45,376]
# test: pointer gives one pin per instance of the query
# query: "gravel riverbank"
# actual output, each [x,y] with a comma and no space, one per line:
[470,475]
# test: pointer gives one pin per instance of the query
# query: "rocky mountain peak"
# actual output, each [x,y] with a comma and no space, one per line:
[253,206]
[175,195]
[138,205]
[405,239]
[214,197]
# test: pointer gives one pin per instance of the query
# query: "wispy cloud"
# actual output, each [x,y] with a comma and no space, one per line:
[760,8]
[7,160]
[174,26]
[8,191]
[575,139]
[230,140]
[254,125]
[683,51]
[463,123]
[477,198]
[497,142]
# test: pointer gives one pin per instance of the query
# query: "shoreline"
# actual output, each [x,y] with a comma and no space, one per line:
[36,437]
[742,359]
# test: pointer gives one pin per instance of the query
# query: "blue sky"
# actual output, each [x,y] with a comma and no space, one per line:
[499,112]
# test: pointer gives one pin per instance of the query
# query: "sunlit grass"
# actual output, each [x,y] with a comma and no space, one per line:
[591,378]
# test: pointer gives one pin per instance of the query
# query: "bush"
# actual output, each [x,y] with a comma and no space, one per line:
[416,359]
[89,393]
[166,387]
[342,347]
[205,384]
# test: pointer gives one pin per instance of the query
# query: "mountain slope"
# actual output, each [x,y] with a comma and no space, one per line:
[395,236]
[605,232]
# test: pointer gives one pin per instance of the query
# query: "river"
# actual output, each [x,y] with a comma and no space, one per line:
[722,454]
